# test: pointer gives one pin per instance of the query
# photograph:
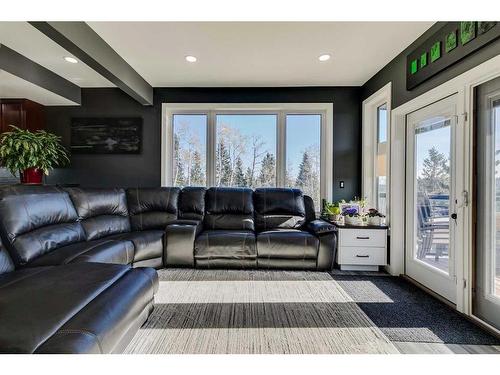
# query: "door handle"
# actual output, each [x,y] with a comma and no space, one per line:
[362,256]
[362,238]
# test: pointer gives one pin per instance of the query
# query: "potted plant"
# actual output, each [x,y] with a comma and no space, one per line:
[352,216]
[374,217]
[31,154]
[331,210]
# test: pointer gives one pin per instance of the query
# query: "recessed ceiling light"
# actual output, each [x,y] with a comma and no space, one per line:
[71,60]
[324,57]
[191,59]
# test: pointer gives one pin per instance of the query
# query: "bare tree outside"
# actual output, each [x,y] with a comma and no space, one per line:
[245,151]
[189,146]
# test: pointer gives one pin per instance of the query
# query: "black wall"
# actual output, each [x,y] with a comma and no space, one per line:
[395,71]
[144,169]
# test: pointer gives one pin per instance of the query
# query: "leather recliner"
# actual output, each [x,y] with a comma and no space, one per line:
[73,308]
[228,238]
[241,228]
[67,280]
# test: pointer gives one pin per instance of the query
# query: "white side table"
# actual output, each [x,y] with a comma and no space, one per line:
[361,248]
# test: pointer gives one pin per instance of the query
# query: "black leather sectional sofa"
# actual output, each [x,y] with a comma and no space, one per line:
[77,265]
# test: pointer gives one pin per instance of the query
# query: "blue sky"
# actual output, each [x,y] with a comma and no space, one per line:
[438,138]
[302,131]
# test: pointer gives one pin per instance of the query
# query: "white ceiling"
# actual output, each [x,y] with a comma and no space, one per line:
[229,53]
[31,43]
[258,53]
[14,88]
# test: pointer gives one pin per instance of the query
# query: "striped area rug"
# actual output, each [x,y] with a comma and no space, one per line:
[255,312]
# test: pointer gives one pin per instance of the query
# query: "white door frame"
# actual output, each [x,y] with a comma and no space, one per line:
[463,85]
[443,283]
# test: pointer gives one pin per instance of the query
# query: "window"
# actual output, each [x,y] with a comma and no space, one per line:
[376,149]
[303,162]
[249,145]
[246,150]
[189,150]
[381,164]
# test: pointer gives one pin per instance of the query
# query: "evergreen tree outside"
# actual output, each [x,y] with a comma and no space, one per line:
[179,178]
[435,175]
[305,172]
[223,168]
[248,178]
[267,175]
[239,176]
[308,177]
[197,175]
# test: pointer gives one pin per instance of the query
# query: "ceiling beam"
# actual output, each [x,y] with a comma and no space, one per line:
[85,44]
[22,67]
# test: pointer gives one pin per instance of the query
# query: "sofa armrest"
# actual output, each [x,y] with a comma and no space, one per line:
[319,227]
[179,242]
[186,222]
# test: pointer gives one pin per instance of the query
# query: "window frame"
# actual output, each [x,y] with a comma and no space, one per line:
[281,110]
[370,128]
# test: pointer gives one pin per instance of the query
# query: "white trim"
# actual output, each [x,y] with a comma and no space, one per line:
[441,282]
[369,149]
[463,85]
[280,109]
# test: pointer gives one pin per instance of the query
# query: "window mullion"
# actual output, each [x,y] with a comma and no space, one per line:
[281,150]
[211,148]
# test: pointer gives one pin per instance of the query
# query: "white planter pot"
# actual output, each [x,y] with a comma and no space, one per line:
[352,220]
[376,220]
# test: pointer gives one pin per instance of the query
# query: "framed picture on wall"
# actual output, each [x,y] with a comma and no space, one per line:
[106,135]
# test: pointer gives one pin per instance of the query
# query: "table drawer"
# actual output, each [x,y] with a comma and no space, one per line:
[363,237]
[362,255]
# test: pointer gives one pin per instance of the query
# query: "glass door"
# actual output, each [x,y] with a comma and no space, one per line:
[432,210]
[486,288]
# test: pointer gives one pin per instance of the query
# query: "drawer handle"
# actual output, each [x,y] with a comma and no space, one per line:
[362,256]
[362,238]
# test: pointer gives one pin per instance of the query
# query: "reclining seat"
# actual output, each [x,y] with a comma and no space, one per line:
[288,236]
[281,243]
[40,226]
[74,308]
[150,210]
[228,238]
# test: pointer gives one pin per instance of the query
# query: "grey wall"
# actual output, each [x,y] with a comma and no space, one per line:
[144,169]
[395,71]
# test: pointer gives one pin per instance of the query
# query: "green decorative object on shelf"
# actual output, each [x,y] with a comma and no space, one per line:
[451,41]
[413,67]
[467,31]
[435,51]
[423,60]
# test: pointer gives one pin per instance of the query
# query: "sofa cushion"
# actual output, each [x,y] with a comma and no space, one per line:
[109,322]
[279,208]
[103,251]
[192,203]
[287,244]
[6,263]
[237,244]
[38,304]
[229,208]
[36,223]
[148,244]
[152,208]
[102,212]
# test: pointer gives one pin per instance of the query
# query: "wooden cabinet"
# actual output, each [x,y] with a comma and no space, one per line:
[23,113]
